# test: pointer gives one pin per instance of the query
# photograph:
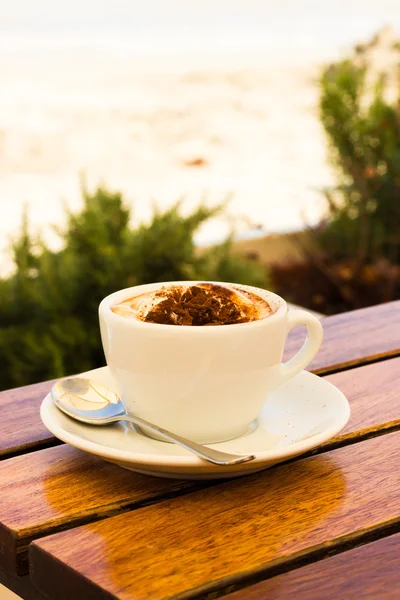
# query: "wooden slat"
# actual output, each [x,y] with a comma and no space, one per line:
[354,338]
[351,338]
[20,426]
[373,394]
[228,534]
[369,572]
[62,487]
[43,477]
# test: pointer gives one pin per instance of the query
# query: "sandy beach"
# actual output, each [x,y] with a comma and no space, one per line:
[251,134]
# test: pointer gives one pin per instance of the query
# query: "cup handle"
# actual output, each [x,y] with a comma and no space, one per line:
[311,344]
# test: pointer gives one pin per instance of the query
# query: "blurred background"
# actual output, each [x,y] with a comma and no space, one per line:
[242,140]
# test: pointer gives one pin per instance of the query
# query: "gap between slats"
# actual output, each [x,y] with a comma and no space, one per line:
[50,443]
[354,365]
[230,585]
[191,487]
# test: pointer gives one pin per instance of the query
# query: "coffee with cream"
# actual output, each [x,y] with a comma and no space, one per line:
[197,304]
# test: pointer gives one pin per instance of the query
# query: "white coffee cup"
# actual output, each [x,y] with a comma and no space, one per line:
[205,383]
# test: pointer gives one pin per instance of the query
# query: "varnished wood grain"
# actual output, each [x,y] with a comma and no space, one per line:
[373,394]
[20,426]
[349,339]
[61,487]
[229,533]
[366,573]
[43,478]
[354,338]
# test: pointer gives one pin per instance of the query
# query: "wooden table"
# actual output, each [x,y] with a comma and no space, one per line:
[324,526]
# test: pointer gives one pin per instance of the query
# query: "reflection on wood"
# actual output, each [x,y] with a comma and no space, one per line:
[63,487]
[210,539]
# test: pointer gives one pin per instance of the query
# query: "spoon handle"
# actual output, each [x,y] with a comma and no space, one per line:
[214,456]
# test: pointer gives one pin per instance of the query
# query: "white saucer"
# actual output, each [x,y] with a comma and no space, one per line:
[302,414]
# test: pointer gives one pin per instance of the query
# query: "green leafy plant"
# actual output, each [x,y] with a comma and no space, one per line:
[354,253]
[48,307]
[363,128]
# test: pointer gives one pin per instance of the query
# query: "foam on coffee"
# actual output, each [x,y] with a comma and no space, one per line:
[198,304]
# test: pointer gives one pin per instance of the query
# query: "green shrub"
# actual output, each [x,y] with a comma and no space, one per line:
[48,307]
[352,258]
[360,112]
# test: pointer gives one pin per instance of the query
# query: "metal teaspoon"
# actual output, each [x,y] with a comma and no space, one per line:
[93,403]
